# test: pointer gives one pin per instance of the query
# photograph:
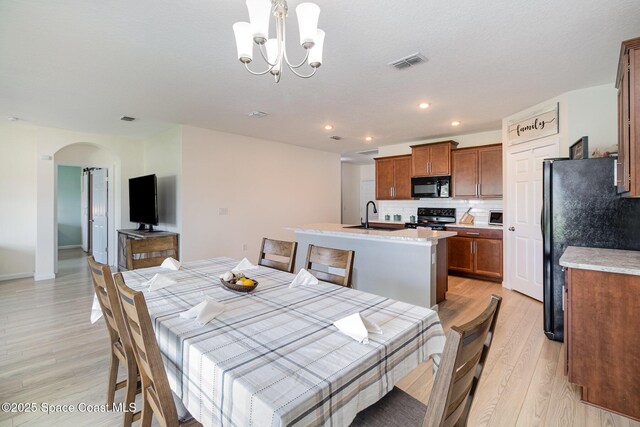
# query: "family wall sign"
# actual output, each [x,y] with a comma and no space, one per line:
[541,124]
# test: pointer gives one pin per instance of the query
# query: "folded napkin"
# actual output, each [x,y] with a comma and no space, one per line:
[96,311]
[303,278]
[204,312]
[171,264]
[159,281]
[357,327]
[244,265]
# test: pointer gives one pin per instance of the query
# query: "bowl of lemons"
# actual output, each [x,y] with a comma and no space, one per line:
[238,282]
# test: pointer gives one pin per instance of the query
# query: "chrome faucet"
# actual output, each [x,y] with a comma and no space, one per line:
[366,216]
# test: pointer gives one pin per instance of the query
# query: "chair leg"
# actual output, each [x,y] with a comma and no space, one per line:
[132,386]
[147,412]
[113,379]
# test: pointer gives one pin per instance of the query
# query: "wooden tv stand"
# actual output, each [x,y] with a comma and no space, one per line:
[124,235]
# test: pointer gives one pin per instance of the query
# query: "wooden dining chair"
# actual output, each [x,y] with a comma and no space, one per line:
[157,398]
[278,254]
[120,343]
[156,250]
[455,385]
[330,258]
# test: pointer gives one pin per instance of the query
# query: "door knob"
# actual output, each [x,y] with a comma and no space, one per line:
[512,229]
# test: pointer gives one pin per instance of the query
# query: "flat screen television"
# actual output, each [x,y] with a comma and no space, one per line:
[143,201]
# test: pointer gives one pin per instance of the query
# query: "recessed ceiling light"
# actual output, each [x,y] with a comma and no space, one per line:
[424,105]
[328,127]
[368,139]
[455,123]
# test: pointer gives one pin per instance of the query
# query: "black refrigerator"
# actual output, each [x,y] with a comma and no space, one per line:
[581,207]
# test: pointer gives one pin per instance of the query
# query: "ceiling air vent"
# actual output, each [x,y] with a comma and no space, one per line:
[257,114]
[127,118]
[368,152]
[336,137]
[408,61]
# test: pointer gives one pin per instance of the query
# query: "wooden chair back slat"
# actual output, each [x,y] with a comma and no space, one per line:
[272,249]
[157,395]
[463,360]
[157,249]
[330,258]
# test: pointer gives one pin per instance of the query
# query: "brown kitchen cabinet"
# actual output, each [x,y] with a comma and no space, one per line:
[602,344]
[628,84]
[432,159]
[393,178]
[477,172]
[476,252]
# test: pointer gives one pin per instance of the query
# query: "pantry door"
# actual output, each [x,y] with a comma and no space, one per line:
[522,227]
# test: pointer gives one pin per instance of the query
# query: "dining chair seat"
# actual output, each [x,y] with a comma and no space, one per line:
[397,408]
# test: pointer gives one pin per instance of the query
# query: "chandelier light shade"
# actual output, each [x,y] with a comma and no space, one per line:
[308,14]
[273,50]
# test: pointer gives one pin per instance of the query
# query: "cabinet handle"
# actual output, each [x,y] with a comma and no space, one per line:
[473,233]
[479,189]
[471,245]
[390,191]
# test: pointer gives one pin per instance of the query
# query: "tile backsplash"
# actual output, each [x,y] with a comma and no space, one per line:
[479,208]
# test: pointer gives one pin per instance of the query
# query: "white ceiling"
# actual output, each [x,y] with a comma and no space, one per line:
[81,64]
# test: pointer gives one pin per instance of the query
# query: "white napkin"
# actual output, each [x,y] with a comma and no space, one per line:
[171,264]
[244,265]
[357,327]
[96,311]
[159,281]
[204,312]
[303,278]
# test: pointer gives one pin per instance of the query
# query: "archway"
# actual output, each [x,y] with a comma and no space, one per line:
[75,153]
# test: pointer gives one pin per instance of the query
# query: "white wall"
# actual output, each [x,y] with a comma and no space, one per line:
[163,157]
[28,239]
[350,193]
[593,112]
[264,185]
[18,201]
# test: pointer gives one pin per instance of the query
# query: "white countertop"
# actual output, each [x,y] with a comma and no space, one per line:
[608,260]
[481,225]
[406,235]
[382,221]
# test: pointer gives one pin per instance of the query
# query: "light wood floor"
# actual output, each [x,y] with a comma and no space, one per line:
[49,352]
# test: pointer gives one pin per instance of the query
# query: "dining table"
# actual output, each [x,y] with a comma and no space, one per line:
[274,357]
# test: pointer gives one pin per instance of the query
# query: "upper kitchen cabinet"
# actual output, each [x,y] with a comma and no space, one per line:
[393,178]
[477,172]
[628,84]
[432,159]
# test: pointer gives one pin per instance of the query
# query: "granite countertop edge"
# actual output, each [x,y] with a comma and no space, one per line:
[605,260]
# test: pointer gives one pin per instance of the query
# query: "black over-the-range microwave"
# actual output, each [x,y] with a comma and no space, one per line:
[430,186]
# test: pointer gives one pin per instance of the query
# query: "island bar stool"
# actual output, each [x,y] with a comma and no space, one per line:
[157,250]
[120,342]
[330,258]
[454,388]
[157,398]
[278,254]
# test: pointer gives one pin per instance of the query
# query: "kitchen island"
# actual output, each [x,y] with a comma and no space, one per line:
[407,265]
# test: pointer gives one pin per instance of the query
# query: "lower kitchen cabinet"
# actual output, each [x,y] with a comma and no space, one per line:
[602,344]
[476,252]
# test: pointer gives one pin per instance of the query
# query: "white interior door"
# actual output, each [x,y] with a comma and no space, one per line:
[84,211]
[523,238]
[99,203]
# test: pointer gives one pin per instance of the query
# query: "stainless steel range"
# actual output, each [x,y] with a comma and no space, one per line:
[436,218]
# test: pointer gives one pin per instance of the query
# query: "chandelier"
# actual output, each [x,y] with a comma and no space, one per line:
[273,50]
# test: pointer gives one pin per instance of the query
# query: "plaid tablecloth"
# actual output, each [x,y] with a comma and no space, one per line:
[274,358]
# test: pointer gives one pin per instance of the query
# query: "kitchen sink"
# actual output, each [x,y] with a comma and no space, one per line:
[372,227]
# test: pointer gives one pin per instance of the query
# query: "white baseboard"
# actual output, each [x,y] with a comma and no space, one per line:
[69,247]
[38,277]
[15,276]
